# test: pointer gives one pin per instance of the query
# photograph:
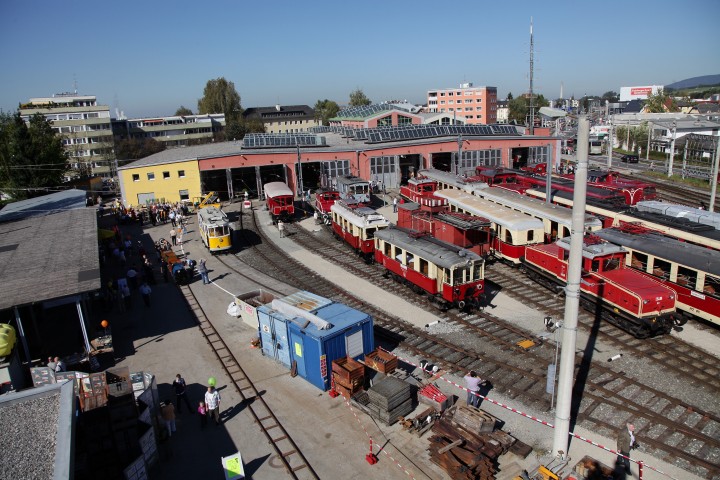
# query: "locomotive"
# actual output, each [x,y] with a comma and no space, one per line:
[452,276]
[280,201]
[422,192]
[633,301]
[324,199]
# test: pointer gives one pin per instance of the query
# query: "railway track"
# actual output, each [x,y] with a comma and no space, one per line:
[285,447]
[672,428]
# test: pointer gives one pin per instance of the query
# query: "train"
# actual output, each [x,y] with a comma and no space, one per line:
[626,298]
[447,180]
[324,199]
[357,226]
[214,229]
[280,201]
[450,275]
[352,187]
[692,271]
[592,193]
[633,191]
[467,231]
[422,192]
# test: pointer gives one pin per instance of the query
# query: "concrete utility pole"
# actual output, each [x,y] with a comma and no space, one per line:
[572,296]
[300,176]
[610,143]
[650,132]
[548,174]
[459,155]
[672,150]
[714,175]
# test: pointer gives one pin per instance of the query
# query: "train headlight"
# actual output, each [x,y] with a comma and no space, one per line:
[672,297]
[645,302]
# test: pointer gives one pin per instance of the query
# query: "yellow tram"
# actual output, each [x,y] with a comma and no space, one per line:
[214,229]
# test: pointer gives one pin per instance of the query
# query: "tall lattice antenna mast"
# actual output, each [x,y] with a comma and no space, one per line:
[532,96]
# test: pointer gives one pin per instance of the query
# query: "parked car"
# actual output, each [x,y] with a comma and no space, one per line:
[630,158]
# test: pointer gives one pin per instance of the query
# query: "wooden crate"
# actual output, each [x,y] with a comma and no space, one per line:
[348,369]
[381,361]
[353,383]
[346,392]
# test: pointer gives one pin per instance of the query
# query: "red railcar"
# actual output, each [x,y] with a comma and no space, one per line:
[452,276]
[594,193]
[632,190]
[280,201]
[422,192]
[357,226]
[633,301]
[466,231]
[324,199]
[504,178]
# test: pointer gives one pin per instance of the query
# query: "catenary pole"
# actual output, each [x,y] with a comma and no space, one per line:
[714,175]
[572,296]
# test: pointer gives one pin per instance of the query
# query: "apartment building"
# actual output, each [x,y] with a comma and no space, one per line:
[283,118]
[173,131]
[474,105]
[84,126]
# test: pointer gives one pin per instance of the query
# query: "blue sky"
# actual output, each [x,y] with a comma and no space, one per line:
[148,58]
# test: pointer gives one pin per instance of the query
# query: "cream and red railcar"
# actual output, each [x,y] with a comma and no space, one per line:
[633,301]
[452,276]
[422,192]
[280,201]
[357,226]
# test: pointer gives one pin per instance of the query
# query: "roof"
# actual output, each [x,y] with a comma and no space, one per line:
[275,189]
[634,106]
[36,432]
[280,112]
[362,217]
[44,205]
[552,112]
[492,211]
[43,259]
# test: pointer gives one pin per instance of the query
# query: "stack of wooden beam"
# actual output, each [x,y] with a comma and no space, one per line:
[348,376]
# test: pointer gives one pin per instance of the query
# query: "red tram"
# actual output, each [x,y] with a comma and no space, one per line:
[631,300]
[633,190]
[357,226]
[452,276]
[324,199]
[280,201]
[422,192]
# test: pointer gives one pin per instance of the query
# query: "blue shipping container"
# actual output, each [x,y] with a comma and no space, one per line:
[314,349]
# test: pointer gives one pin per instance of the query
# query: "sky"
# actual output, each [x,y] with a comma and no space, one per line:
[147,58]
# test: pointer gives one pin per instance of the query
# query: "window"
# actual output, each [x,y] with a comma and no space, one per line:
[151,176]
[136,177]
[442,102]
[451,101]
[166,175]
[184,195]
[450,94]
[181,173]
[467,100]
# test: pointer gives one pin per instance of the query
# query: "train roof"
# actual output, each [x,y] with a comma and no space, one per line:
[463,221]
[694,256]
[614,203]
[592,249]
[678,223]
[694,215]
[440,253]
[362,217]
[492,211]
[277,189]
[452,179]
[531,206]
[212,215]
[421,181]
[350,180]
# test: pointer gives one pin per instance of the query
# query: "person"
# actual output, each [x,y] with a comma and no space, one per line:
[181,393]
[179,237]
[702,206]
[145,291]
[52,364]
[247,197]
[472,383]
[59,365]
[281,227]
[652,166]
[625,443]
[202,410]
[395,204]
[173,235]
[167,411]
[172,218]
[212,402]
[203,271]
[132,277]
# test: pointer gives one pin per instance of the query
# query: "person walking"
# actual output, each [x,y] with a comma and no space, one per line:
[212,403]
[625,443]
[472,383]
[181,393]
[203,271]
[51,363]
[395,205]
[173,235]
[167,411]
[172,218]
[145,291]
[281,227]
[60,365]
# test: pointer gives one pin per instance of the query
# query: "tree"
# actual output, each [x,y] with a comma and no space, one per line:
[183,111]
[358,98]
[134,148]
[325,110]
[660,103]
[519,108]
[509,96]
[220,96]
[32,156]
[610,96]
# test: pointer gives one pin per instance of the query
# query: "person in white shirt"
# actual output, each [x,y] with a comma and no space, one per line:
[212,404]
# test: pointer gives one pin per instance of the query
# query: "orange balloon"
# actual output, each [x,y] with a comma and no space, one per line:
[104,323]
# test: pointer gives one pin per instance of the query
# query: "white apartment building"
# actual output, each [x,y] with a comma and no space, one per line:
[474,105]
[175,131]
[84,126]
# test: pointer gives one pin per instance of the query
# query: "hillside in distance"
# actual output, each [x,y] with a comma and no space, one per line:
[705,80]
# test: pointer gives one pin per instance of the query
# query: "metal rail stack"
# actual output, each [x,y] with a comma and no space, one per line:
[389,399]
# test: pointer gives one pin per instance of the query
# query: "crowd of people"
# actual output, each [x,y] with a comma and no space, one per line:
[156,213]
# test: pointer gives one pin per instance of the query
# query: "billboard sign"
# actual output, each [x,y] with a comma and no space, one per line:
[638,93]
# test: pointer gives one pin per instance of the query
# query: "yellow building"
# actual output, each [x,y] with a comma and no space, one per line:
[159,178]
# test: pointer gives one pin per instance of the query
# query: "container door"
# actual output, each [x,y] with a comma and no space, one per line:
[354,344]
[298,353]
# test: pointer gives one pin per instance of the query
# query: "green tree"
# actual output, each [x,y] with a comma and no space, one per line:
[183,111]
[220,96]
[519,108]
[32,157]
[610,96]
[660,103]
[134,148]
[325,110]
[358,98]
[509,96]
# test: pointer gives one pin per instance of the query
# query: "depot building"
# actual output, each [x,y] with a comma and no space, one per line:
[386,145]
